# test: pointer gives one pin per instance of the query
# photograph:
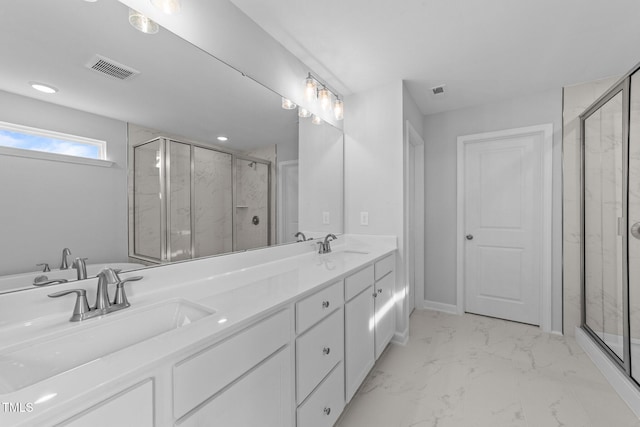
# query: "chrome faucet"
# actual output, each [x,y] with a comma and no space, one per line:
[325,246]
[107,276]
[64,265]
[43,280]
[81,267]
[300,234]
[45,267]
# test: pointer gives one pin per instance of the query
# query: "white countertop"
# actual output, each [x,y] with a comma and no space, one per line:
[248,290]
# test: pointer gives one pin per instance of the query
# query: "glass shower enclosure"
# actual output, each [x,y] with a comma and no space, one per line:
[191,201]
[610,139]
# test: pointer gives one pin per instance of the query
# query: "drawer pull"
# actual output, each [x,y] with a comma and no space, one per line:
[326,350]
[327,411]
[325,304]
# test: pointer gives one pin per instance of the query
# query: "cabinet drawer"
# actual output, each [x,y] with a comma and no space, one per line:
[261,398]
[132,407]
[317,306]
[325,405]
[317,352]
[355,283]
[200,376]
[385,265]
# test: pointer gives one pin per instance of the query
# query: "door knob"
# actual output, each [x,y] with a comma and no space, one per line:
[469,236]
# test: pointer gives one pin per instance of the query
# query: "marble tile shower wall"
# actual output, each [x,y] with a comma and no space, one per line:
[180,201]
[147,187]
[252,201]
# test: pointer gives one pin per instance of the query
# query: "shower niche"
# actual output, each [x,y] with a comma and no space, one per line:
[191,201]
[610,140]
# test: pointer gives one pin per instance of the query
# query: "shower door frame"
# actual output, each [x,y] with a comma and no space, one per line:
[622,86]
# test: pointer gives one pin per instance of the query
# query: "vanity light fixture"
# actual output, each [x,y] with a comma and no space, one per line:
[303,112]
[288,104]
[223,138]
[170,7]
[142,23]
[338,109]
[43,87]
[316,120]
[314,89]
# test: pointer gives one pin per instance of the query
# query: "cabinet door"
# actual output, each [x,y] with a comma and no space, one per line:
[261,398]
[359,340]
[385,317]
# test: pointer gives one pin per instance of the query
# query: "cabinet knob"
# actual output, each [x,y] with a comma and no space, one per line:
[379,291]
[325,304]
[375,295]
[326,350]
[327,411]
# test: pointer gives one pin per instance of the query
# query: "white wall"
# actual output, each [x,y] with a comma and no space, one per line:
[440,133]
[49,205]
[374,161]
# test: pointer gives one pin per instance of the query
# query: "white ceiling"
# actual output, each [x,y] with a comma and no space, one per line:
[483,51]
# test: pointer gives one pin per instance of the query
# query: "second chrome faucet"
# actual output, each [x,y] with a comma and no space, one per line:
[103,305]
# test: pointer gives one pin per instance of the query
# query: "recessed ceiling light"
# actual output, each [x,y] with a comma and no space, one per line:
[169,7]
[43,87]
[223,138]
[142,23]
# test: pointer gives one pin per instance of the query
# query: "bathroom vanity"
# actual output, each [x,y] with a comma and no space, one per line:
[278,337]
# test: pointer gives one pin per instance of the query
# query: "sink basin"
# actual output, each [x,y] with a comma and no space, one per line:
[41,358]
[354,252]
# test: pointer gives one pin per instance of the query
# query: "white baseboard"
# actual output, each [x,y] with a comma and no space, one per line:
[439,306]
[401,338]
[620,383]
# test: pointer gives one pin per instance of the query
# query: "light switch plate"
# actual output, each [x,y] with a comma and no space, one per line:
[364,218]
[326,218]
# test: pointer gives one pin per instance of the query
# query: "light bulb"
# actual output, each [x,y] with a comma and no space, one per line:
[338,109]
[287,104]
[325,98]
[316,120]
[142,23]
[169,7]
[43,87]
[304,113]
[310,88]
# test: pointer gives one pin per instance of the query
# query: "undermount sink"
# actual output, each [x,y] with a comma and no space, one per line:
[42,358]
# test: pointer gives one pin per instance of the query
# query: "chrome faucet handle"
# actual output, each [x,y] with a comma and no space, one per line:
[64,265]
[46,267]
[121,296]
[300,234]
[43,280]
[82,306]
[81,267]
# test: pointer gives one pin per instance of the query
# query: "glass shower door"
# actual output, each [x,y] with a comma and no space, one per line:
[604,252]
[634,225]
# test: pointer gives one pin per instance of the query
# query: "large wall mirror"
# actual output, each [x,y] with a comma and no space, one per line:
[172,191]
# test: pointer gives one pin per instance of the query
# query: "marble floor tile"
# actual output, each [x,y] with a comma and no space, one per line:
[474,371]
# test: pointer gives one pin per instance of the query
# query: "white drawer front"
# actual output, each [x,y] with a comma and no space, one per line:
[317,352]
[325,405]
[199,377]
[355,283]
[317,306]
[262,398]
[385,265]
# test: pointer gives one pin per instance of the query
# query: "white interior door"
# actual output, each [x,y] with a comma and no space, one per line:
[503,225]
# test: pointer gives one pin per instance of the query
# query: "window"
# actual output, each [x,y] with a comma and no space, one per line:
[45,141]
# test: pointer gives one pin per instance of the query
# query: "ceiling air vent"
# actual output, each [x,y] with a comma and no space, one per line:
[438,89]
[111,68]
